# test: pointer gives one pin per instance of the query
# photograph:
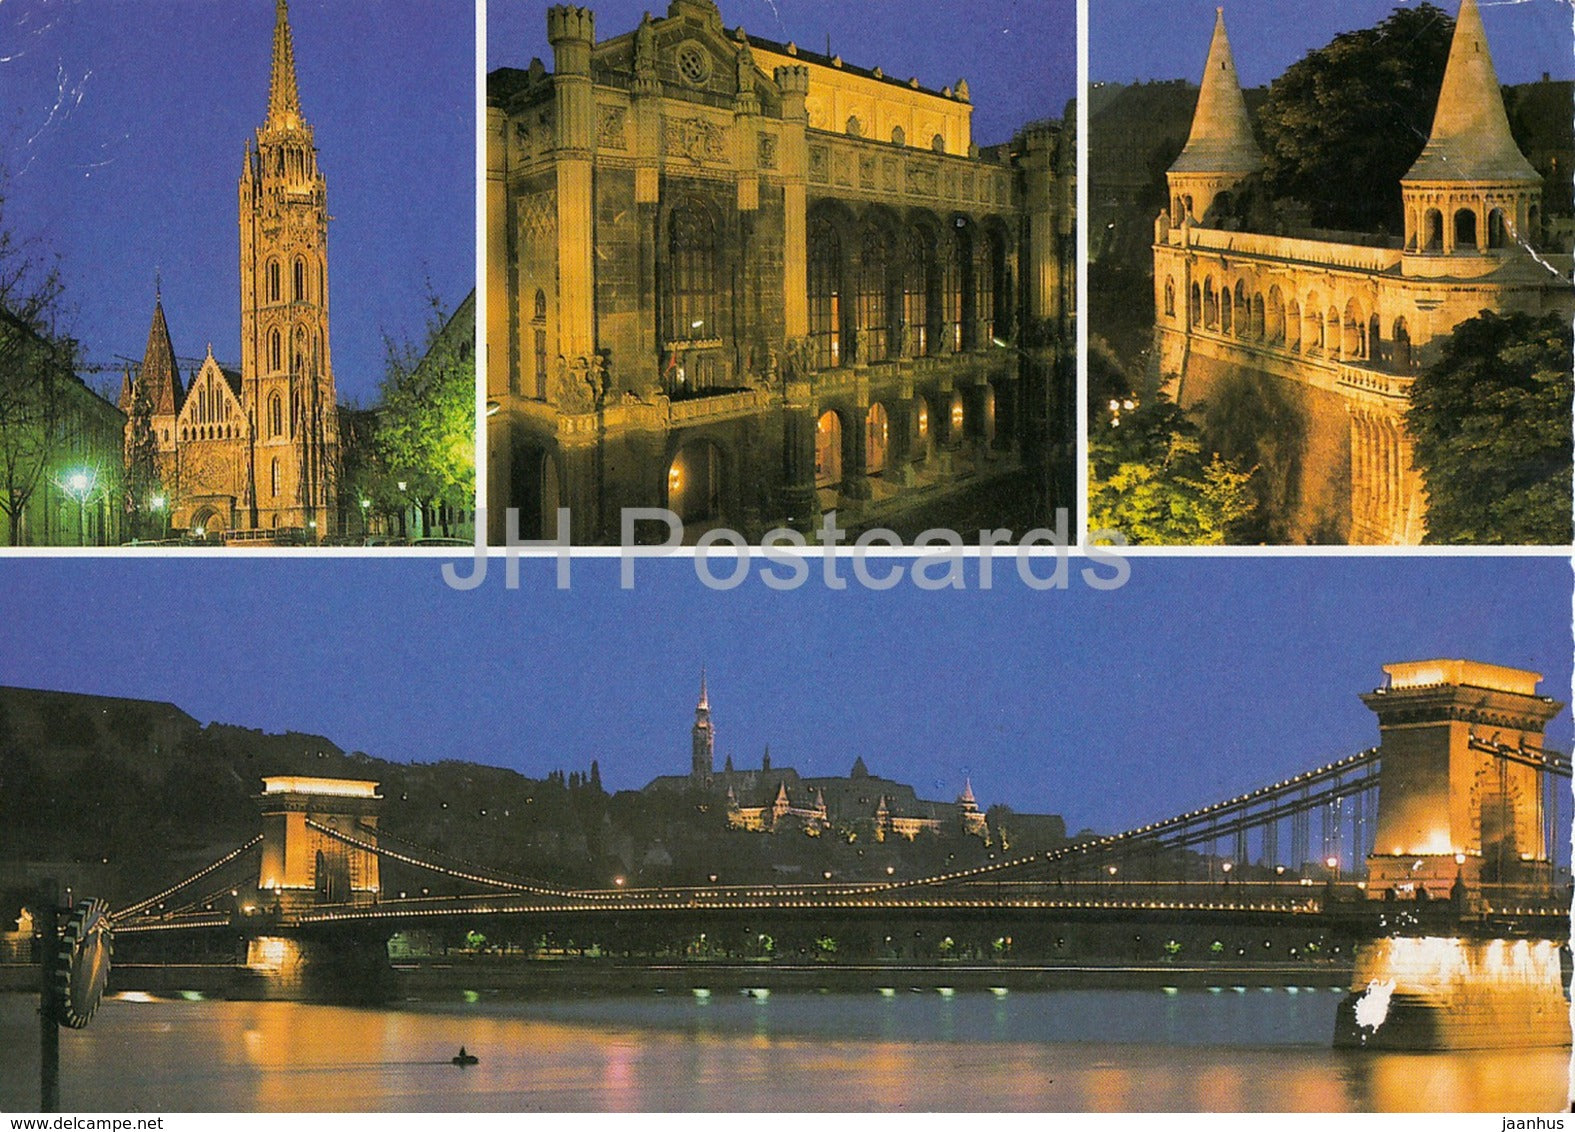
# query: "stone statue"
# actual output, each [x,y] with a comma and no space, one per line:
[645,48]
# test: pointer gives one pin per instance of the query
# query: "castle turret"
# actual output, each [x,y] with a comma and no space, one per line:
[1221,153]
[1472,191]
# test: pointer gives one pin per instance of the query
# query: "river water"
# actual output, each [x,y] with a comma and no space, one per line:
[1211,1049]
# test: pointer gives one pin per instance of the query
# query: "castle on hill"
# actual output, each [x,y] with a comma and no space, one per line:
[774,799]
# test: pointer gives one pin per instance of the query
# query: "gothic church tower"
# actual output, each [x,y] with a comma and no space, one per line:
[702,740]
[286,371]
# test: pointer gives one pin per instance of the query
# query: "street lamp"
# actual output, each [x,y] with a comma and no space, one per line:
[158,504]
[79,485]
[365,509]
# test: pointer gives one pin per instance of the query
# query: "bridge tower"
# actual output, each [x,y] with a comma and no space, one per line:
[1450,804]
[300,865]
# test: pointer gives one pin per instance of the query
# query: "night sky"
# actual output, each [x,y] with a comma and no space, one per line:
[121,131]
[1019,56]
[1201,679]
[1134,40]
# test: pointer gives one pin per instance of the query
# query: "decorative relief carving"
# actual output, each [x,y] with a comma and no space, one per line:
[768,151]
[889,175]
[694,138]
[538,214]
[610,127]
[921,180]
[819,163]
[867,170]
[842,168]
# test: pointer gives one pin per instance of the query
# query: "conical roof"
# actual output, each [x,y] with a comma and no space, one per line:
[1471,139]
[158,370]
[1221,140]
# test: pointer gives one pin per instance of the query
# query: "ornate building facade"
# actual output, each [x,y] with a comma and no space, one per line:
[751,283]
[254,454]
[1347,325]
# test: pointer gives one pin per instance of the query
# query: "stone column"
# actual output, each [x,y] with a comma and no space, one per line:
[793,161]
[572,32]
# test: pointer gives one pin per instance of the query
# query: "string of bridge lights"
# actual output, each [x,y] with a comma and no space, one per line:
[133,909]
[1306,779]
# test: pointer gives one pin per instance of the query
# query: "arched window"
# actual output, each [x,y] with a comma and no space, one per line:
[1495,229]
[275,416]
[985,262]
[1196,314]
[872,312]
[1433,231]
[956,256]
[274,287]
[918,256]
[1170,297]
[828,450]
[541,305]
[898,137]
[273,478]
[298,286]
[692,275]
[825,295]
[1465,229]
[275,352]
[877,434]
[1402,347]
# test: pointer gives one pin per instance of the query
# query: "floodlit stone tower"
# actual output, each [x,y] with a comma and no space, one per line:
[301,865]
[1459,794]
[1221,153]
[1471,193]
[286,370]
[702,739]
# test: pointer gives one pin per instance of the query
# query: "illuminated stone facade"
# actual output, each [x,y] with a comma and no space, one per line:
[255,454]
[1460,792]
[751,283]
[299,864]
[1344,325]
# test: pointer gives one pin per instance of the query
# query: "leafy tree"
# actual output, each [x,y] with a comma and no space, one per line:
[1345,123]
[35,367]
[1491,422]
[425,433]
[1147,477]
[142,482]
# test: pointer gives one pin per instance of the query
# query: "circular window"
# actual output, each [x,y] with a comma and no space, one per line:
[693,63]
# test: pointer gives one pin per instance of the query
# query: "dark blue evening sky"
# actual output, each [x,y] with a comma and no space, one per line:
[1019,56]
[1134,40]
[1198,680]
[122,126]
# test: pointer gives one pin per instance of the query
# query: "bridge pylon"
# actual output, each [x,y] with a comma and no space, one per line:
[1461,798]
[300,866]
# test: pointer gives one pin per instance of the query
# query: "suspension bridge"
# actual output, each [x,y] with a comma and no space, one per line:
[1444,831]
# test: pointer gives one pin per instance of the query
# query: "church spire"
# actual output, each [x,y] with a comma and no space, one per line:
[284,99]
[158,370]
[1221,140]
[705,702]
[1470,140]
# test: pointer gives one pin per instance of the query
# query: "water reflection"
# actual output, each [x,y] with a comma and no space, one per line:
[1075,1050]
